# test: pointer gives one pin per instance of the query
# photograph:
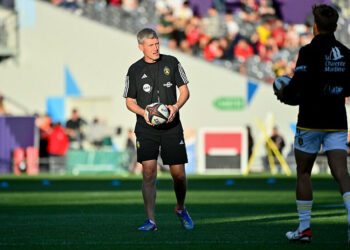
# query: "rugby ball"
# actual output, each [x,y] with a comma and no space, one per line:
[277,85]
[157,113]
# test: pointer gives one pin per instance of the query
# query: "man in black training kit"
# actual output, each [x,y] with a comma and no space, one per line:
[322,81]
[154,78]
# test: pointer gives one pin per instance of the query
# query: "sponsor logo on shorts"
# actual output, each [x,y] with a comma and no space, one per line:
[300,141]
[166,70]
[147,88]
[182,142]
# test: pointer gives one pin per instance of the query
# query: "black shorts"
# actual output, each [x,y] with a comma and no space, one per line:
[172,148]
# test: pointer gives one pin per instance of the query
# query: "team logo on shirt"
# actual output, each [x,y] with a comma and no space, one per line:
[335,54]
[166,70]
[168,84]
[147,88]
[333,62]
[138,144]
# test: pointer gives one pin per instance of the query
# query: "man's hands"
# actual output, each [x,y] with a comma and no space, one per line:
[146,117]
[173,110]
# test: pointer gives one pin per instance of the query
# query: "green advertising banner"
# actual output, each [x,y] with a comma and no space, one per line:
[229,103]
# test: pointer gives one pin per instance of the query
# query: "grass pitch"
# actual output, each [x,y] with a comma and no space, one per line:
[97,212]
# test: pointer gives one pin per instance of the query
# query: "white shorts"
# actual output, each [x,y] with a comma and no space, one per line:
[311,141]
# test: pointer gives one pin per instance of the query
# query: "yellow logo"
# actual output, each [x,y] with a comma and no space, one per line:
[300,141]
[166,70]
[138,144]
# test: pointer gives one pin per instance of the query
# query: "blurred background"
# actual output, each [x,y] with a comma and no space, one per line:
[63,65]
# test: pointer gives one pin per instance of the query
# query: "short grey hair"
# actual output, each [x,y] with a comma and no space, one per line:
[146,33]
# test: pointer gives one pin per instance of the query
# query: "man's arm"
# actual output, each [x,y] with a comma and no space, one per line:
[301,71]
[183,97]
[135,108]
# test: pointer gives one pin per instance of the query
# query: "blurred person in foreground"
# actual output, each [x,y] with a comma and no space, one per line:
[321,79]
[154,78]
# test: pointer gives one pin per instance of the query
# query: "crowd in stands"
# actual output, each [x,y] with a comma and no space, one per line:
[249,36]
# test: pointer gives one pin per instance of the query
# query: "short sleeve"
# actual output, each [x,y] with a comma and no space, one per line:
[180,75]
[130,86]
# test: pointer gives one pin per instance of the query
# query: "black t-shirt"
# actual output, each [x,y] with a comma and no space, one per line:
[76,125]
[322,78]
[155,82]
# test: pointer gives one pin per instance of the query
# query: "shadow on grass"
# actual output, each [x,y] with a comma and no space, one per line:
[113,226]
[126,184]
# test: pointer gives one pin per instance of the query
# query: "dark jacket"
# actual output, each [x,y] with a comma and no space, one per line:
[322,79]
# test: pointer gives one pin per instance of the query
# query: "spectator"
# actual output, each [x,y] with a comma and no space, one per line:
[243,50]
[184,12]
[58,142]
[114,2]
[74,130]
[193,34]
[214,25]
[96,133]
[232,27]
[279,142]
[292,38]
[213,50]
[250,141]
[166,27]
[130,6]
[44,125]
[277,139]
[264,31]
[279,33]
[266,11]
[249,11]
[227,53]
[280,67]
[268,50]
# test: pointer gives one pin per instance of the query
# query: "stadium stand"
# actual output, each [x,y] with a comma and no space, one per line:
[217,35]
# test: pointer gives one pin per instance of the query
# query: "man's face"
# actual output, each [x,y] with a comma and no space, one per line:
[150,49]
[75,115]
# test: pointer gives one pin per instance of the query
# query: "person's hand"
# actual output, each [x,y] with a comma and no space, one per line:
[173,110]
[146,117]
[279,92]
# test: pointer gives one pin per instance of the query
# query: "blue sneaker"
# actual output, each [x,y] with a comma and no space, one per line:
[185,218]
[148,226]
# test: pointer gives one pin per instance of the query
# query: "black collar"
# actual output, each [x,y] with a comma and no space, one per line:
[324,36]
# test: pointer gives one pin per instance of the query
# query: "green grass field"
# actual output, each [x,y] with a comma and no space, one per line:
[88,212]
